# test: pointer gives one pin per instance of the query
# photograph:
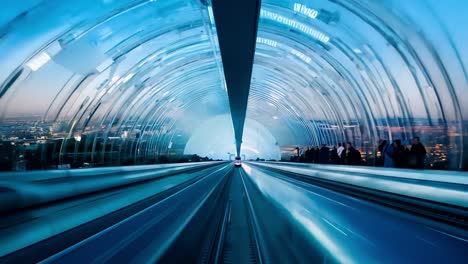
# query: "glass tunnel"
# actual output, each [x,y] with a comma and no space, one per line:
[233,131]
[107,82]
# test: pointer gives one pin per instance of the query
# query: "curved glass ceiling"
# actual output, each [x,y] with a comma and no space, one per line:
[120,81]
[345,70]
[110,82]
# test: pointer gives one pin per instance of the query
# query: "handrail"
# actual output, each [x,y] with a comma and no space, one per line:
[457,177]
[350,230]
[40,175]
[17,194]
[435,187]
[28,233]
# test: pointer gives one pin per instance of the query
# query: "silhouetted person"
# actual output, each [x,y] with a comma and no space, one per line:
[382,143]
[388,152]
[379,161]
[302,158]
[324,155]
[399,154]
[357,157]
[417,154]
[351,155]
[343,154]
[308,155]
[340,152]
[406,157]
[334,158]
[316,155]
[296,156]
[312,155]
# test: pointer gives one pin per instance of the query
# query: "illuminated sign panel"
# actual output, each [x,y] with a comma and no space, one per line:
[293,23]
[303,9]
[268,42]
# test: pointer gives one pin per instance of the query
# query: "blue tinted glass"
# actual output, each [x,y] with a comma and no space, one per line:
[337,71]
[117,80]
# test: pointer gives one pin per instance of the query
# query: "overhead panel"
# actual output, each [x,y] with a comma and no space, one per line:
[236,23]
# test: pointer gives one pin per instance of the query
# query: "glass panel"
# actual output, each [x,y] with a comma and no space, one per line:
[105,82]
[335,71]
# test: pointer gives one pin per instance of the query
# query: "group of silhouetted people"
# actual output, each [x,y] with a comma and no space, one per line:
[393,154]
[343,154]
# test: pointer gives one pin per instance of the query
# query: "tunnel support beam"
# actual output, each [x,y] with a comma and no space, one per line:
[236,23]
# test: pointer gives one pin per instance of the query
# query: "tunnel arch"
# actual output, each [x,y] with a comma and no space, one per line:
[359,71]
[126,82]
[135,74]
